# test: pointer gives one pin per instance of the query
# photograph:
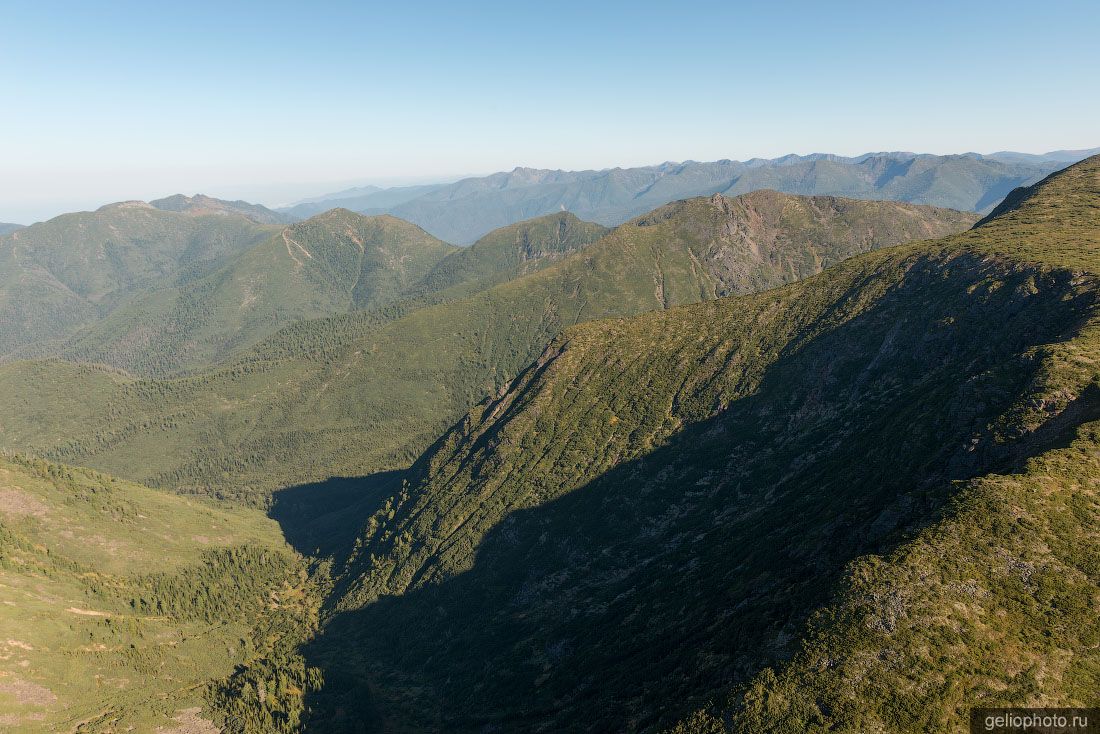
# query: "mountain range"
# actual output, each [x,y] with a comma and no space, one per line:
[465,210]
[73,270]
[333,263]
[738,462]
[368,390]
[759,513]
[200,204]
[365,199]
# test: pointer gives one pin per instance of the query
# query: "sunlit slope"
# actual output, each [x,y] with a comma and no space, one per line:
[505,254]
[353,395]
[647,518]
[59,275]
[122,606]
[997,603]
[462,211]
[333,263]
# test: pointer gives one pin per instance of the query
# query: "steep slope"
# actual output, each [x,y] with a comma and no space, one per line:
[123,608]
[463,211]
[200,204]
[647,518]
[1007,580]
[59,275]
[507,253]
[502,255]
[335,262]
[351,396]
[6,228]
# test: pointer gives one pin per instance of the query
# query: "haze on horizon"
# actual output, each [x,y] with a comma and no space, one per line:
[276,101]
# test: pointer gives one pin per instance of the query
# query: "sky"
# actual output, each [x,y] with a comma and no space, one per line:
[275,101]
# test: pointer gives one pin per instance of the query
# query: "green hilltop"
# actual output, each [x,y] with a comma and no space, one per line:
[63,274]
[335,262]
[368,391]
[864,501]
[506,253]
[201,204]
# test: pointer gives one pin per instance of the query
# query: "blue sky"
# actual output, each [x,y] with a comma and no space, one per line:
[272,101]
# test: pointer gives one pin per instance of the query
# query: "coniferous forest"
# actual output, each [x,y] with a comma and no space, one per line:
[807,442]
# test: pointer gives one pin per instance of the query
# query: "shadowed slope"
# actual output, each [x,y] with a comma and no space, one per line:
[1007,582]
[650,513]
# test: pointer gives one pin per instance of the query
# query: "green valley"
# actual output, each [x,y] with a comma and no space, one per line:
[366,392]
[595,368]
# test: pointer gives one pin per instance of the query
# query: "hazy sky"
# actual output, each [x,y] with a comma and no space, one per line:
[272,101]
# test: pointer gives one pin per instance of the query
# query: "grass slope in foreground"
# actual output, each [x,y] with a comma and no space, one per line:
[350,396]
[128,609]
[645,522]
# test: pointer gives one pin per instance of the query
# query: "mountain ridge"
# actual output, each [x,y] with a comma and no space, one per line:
[754,463]
[59,275]
[334,262]
[462,211]
[662,510]
[202,204]
[305,400]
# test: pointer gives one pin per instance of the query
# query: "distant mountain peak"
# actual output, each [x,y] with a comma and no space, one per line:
[131,204]
[463,211]
[339,216]
[200,204]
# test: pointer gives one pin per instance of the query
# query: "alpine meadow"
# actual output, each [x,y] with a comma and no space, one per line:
[448,407]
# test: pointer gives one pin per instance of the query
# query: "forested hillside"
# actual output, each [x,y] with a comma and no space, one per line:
[360,394]
[520,430]
[864,501]
[200,204]
[335,262]
[70,271]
